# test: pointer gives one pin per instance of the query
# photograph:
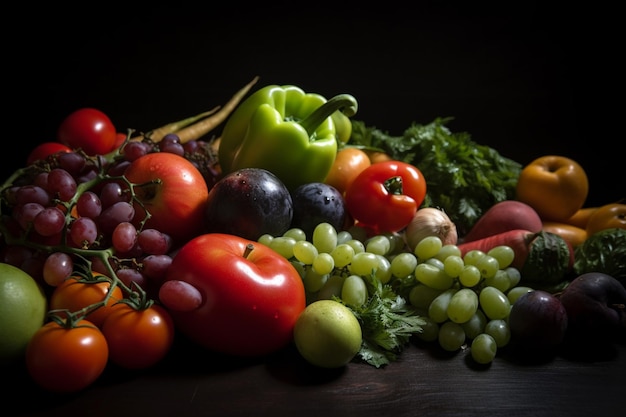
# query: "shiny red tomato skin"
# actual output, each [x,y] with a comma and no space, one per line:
[138,338]
[89,129]
[66,360]
[43,150]
[250,304]
[176,201]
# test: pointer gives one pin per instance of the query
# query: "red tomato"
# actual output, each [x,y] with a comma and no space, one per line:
[44,150]
[138,338]
[74,294]
[230,299]
[89,129]
[386,195]
[62,359]
[174,192]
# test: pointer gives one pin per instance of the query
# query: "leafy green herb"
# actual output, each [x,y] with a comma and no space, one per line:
[387,322]
[604,251]
[463,178]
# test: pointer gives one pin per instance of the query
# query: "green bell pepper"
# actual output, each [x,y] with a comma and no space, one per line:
[286,131]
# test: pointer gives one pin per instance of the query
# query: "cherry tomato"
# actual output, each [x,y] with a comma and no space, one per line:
[386,195]
[44,150]
[138,337]
[349,163]
[89,129]
[74,294]
[608,216]
[66,359]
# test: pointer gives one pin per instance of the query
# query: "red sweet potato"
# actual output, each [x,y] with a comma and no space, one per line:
[502,217]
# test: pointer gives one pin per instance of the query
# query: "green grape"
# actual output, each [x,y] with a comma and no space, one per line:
[296,233]
[324,237]
[500,280]
[378,244]
[403,264]
[283,245]
[357,245]
[323,263]
[514,275]
[428,247]
[476,325]
[462,305]
[514,293]
[433,276]
[397,243]
[504,254]
[299,266]
[469,276]
[358,233]
[448,250]
[305,251]
[434,262]
[354,291]
[438,309]
[430,330]
[383,270]
[500,331]
[451,336]
[313,281]
[422,295]
[342,255]
[343,236]
[483,349]
[363,264]
[453,265]
[494,303]
[488,266]
[473,256]
[331,288]
[265,239]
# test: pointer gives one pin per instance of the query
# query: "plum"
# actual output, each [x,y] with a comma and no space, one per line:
[249,203]
[538,322]
[595,304]
[316,203]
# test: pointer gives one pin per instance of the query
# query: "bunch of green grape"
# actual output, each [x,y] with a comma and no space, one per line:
[333,264]
[465,299]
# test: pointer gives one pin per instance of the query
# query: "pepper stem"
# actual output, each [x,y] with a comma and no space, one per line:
[344,102]
[393,185]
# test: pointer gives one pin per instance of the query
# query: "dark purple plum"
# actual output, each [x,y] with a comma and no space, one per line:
[316,203]
[249,203]
[596,307]
[538,322]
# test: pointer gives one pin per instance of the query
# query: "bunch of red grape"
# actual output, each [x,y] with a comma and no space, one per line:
[72,209]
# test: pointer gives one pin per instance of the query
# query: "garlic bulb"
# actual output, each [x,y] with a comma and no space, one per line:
[430,221]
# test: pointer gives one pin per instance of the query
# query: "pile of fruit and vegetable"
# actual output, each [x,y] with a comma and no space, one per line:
[279,219]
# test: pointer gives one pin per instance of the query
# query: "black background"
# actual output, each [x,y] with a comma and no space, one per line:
[524,78]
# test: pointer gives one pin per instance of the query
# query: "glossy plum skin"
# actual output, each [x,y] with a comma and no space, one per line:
[595,303]
[538,322]
[248,203]
[316,203]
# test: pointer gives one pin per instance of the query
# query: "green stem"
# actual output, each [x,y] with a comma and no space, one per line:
[394,185]
[344,102]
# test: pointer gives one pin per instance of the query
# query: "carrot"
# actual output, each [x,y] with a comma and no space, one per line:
[204,126]
[517,239]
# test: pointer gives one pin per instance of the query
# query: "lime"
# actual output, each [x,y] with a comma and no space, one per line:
[327,334]
[23,307]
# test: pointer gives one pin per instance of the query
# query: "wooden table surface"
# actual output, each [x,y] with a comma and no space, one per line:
[425,381]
